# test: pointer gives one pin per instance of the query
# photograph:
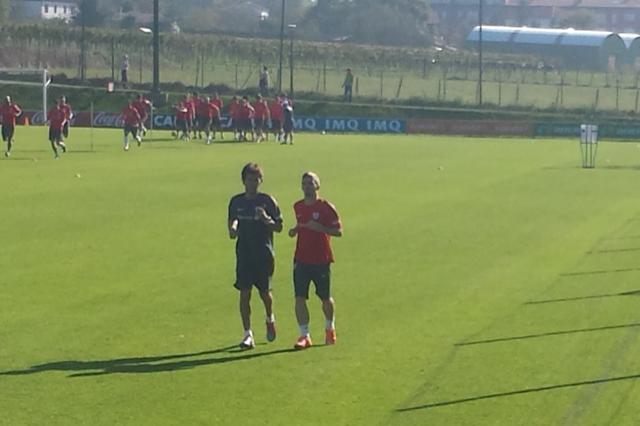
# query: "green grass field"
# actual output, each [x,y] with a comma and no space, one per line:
[478,282]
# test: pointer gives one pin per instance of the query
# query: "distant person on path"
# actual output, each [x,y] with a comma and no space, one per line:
[348,86]
[9,111]
[287,123]
[124,70]
[56,117]
[316,222]
[263,82]
[253,218]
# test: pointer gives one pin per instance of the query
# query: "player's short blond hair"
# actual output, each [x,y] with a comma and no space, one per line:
[314,178]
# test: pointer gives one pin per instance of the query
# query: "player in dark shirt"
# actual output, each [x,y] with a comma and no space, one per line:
[253,218]
[287,123]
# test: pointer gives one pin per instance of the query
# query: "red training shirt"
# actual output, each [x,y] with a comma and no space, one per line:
[130,116]
[9,113]
[246,111]
[218,102]
[276,110]
[314,247]
[56,117]
[211,110]
[234,109]
[142,107]
[261,109]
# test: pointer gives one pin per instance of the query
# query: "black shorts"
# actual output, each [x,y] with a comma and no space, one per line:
[215,123]
[130,129]
[254,271]
[288,127]
[55,134]
[276,125]
[259,124]
[181,124]
[235,124]
[204,123]
[7,132]
[304,273]
[246,124]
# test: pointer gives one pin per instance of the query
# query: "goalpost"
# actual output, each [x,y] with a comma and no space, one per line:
[44,82]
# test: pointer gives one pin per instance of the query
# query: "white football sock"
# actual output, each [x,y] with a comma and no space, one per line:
[304,329]
[330,324]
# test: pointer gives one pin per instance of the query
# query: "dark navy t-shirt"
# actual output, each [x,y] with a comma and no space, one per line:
[254,237]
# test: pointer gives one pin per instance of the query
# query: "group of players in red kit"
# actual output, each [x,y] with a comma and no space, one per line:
[59,119]
[194,115]
[250,121]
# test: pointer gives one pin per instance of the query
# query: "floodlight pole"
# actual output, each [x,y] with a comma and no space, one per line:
[83,15]
[480,70]
[156,50]
[281,47]
[292,28]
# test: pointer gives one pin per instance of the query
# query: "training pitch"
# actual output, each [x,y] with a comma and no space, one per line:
[478,282]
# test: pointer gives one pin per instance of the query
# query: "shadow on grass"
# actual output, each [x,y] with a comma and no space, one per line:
[551,333]
[622,250]
[599,272]
[595,296]
[520,392]
[151,364]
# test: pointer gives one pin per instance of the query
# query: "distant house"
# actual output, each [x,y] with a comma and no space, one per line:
[30,10]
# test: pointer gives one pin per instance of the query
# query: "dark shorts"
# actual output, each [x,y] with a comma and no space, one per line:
[259,124]
[204,123]
[235,124]
[276,125]
[304,274]
[288,127]
[130,129]
[181,124]
[254,271]
[215,123]
[7,132]
[55,134]
[65,129]
[246,124]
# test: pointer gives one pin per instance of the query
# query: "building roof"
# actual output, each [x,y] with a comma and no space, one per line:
[629,38]
[546,36]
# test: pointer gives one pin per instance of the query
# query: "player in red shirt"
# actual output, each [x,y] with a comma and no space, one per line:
[217,101]
[275,108]
[262,117]
[192,103]
[246,114]
[182,118]
[316,222]
[234,114]
[143,106]
[56,117]
[9,111]
[68,115]
[210,116]
[131,119]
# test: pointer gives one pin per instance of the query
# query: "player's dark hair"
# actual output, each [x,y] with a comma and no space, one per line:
[251,169]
